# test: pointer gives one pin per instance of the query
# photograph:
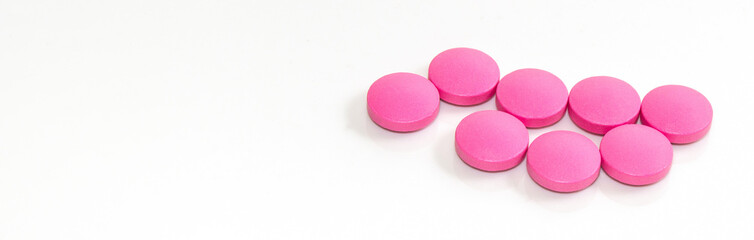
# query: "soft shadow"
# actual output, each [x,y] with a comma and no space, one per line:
[633,195]
[450,115]
[555,201]
[360,123]
[691,152]
[423,71]
[565,123]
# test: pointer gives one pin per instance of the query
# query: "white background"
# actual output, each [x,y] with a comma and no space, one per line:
[247,119]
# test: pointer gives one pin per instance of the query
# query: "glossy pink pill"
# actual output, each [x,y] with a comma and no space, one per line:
[682,114]
[536,97]
[464,76]
[598,104]
[491,140]
[636,154]
[403,102]
[563,161]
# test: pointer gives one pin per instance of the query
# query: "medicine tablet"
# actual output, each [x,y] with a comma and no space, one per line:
[563,161]
[464,76]
[403,102]
[491,140]
[636,154]
[598,104]
[682,114]
[536,97]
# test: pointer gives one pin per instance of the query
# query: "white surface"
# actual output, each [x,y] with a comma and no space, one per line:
[247,119]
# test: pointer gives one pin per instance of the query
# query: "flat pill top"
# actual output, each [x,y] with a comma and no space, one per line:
[464,76]
[604,101]
[563,157]
[532,94]
[492,135]
[677,111]
[635,152]
[402,98]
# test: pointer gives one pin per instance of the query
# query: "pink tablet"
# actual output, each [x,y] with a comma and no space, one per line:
[536,97]
[464,76]
[563,161]
[682,114]
[403,102]
[491,140]
[598,104]
[636,154]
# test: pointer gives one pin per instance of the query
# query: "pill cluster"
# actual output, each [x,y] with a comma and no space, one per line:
[561,161]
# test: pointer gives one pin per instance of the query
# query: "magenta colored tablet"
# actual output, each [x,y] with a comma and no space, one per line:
[464,76]
[563,161]
[636,154]
[491,140]
[598,104]
[682,114]
[536,97]
[403,102]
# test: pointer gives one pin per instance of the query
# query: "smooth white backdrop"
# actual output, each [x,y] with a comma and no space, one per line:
[247,120]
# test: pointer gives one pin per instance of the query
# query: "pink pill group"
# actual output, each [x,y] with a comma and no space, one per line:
[561,161]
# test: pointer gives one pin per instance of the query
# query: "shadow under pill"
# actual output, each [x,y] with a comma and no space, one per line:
[423,71]
[359,122]
[690,152]
[555,201]
[632,195]
[565,123]
[449,161]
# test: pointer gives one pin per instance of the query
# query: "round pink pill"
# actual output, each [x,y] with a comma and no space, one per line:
[563,161]
[536,97]
[598,104]
[682,114]
[636,154]
[491,140]
[464,76]
[403,102]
